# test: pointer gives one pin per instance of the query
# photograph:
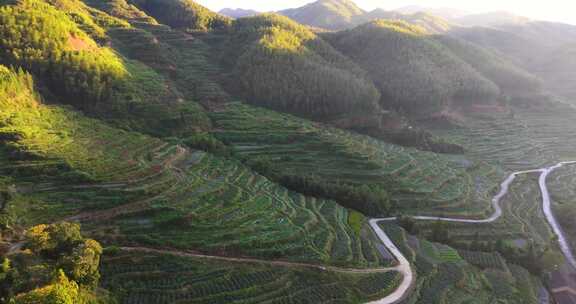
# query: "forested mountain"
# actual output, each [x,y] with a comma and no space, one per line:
[183,14]
[283,65]
[531,46]
[216,160]
[431,23]
[237,12]
[345,14]
[49,43]
[327,14]
[514,82]
[413,72]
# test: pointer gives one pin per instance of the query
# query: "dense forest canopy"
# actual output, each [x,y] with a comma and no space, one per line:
[284,65]
[183,14]
[46,41]
[413,72]
[514,81]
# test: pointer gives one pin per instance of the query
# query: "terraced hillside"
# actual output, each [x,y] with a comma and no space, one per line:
[173,279]
[518,139]
[141,190]
[521,226]
[445,275]
[416,180]
[563,192]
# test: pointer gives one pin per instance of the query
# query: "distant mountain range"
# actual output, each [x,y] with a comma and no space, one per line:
[345,14]
[238,12]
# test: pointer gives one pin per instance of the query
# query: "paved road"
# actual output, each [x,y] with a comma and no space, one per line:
[404,265]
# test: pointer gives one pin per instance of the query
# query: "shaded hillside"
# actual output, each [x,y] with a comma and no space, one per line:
[538,47]
[183,14]
[514,82]
[282,65]
[327,14]
[414,73]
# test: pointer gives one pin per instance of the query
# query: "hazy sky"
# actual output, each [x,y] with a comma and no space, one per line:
[556,10]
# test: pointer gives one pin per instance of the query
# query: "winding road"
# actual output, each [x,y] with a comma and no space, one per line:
[404,265]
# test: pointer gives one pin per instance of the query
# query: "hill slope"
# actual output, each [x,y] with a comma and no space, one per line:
[183,14]
[344,14]
[533,46]
[327,14]
[278,63]
[238,12]
[413,72]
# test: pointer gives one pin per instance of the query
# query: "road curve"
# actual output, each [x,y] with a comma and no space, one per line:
[404,265]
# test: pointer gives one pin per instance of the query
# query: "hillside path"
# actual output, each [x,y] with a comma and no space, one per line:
[407,272]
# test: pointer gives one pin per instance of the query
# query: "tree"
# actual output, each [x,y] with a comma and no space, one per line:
[82,264]
[55,238]
[61,291]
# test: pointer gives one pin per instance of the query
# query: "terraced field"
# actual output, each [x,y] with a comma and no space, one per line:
[428,182]
[519,140]
[444,276]
[212,205]
[522,222]
[563,191]
[221,207]
[142,191]
[142,278]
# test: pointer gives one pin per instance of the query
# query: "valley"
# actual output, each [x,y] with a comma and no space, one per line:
[158,152]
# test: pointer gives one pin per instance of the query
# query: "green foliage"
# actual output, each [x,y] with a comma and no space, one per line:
[54,238]
[121,9]
[61,291]
[184,14]
[206,142]
[57,258]
[283,65]
[415,74]
[514,81]
[46,41]
[82,264]
[356,221]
